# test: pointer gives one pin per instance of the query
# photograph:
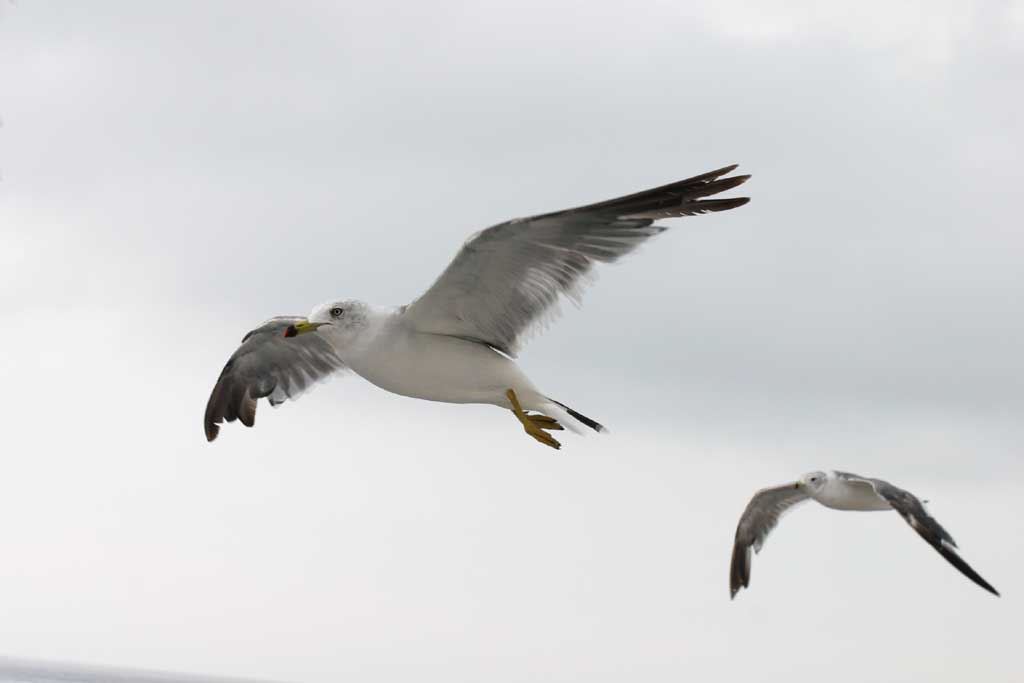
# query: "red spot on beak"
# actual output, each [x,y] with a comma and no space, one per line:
[290,331]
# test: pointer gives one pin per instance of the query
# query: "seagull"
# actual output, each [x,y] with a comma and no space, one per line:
[839,491]
[457,342]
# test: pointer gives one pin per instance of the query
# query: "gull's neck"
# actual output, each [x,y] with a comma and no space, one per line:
[354,344]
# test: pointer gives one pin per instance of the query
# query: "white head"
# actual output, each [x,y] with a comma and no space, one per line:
[342,320]
[813,481]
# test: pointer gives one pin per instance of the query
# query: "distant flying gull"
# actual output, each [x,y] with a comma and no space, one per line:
[456,342]
[840,491]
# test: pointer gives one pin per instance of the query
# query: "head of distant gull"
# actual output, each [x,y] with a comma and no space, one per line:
[812,481]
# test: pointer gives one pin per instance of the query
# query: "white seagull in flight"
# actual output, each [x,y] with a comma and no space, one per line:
[456,343]
[840,491]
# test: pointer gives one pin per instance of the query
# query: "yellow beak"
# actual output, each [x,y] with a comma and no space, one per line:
[301,327]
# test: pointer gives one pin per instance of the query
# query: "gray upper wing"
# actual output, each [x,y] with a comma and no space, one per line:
[267,364]
[763,513]
[913,511]
[508,278]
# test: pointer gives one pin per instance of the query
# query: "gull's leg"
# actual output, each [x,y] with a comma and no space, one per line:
[535,424]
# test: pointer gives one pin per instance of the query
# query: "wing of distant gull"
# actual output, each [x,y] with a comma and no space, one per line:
[269,365]
[912,510]
[457,342]
[840,491]
[762,515]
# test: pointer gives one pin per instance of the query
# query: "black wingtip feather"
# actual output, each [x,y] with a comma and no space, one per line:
[211,416]
[674,199]
[928,528]
[739,569]
[718,185]
[247,410]
[954,559]
[711,175]
[709,205]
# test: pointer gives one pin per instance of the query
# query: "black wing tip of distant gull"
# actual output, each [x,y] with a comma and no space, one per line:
[954,559]
[739,569]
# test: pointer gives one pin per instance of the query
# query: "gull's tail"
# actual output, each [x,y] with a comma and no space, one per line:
[579,417]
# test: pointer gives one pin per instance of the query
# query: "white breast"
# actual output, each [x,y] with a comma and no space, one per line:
[437,368]
[841,494]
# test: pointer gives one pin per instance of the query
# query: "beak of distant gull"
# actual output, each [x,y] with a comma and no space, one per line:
[301,327]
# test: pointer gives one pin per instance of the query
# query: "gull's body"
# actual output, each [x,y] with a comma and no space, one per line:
[839,491]
[397,358]
[457,342]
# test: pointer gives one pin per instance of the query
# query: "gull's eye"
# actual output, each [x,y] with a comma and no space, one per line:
[336,312]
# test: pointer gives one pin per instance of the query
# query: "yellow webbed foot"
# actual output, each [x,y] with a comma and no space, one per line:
[544,422]
[536,424]
[540,435]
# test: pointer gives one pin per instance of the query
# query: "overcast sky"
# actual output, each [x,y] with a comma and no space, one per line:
[174,173]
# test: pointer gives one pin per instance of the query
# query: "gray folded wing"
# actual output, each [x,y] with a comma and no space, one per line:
[913,511]
[268,364]
[763,513]
[508,278]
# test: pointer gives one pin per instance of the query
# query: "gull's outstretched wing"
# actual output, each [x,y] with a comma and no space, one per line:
[912,510]
[268,364]
[763,513]
[505,279]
